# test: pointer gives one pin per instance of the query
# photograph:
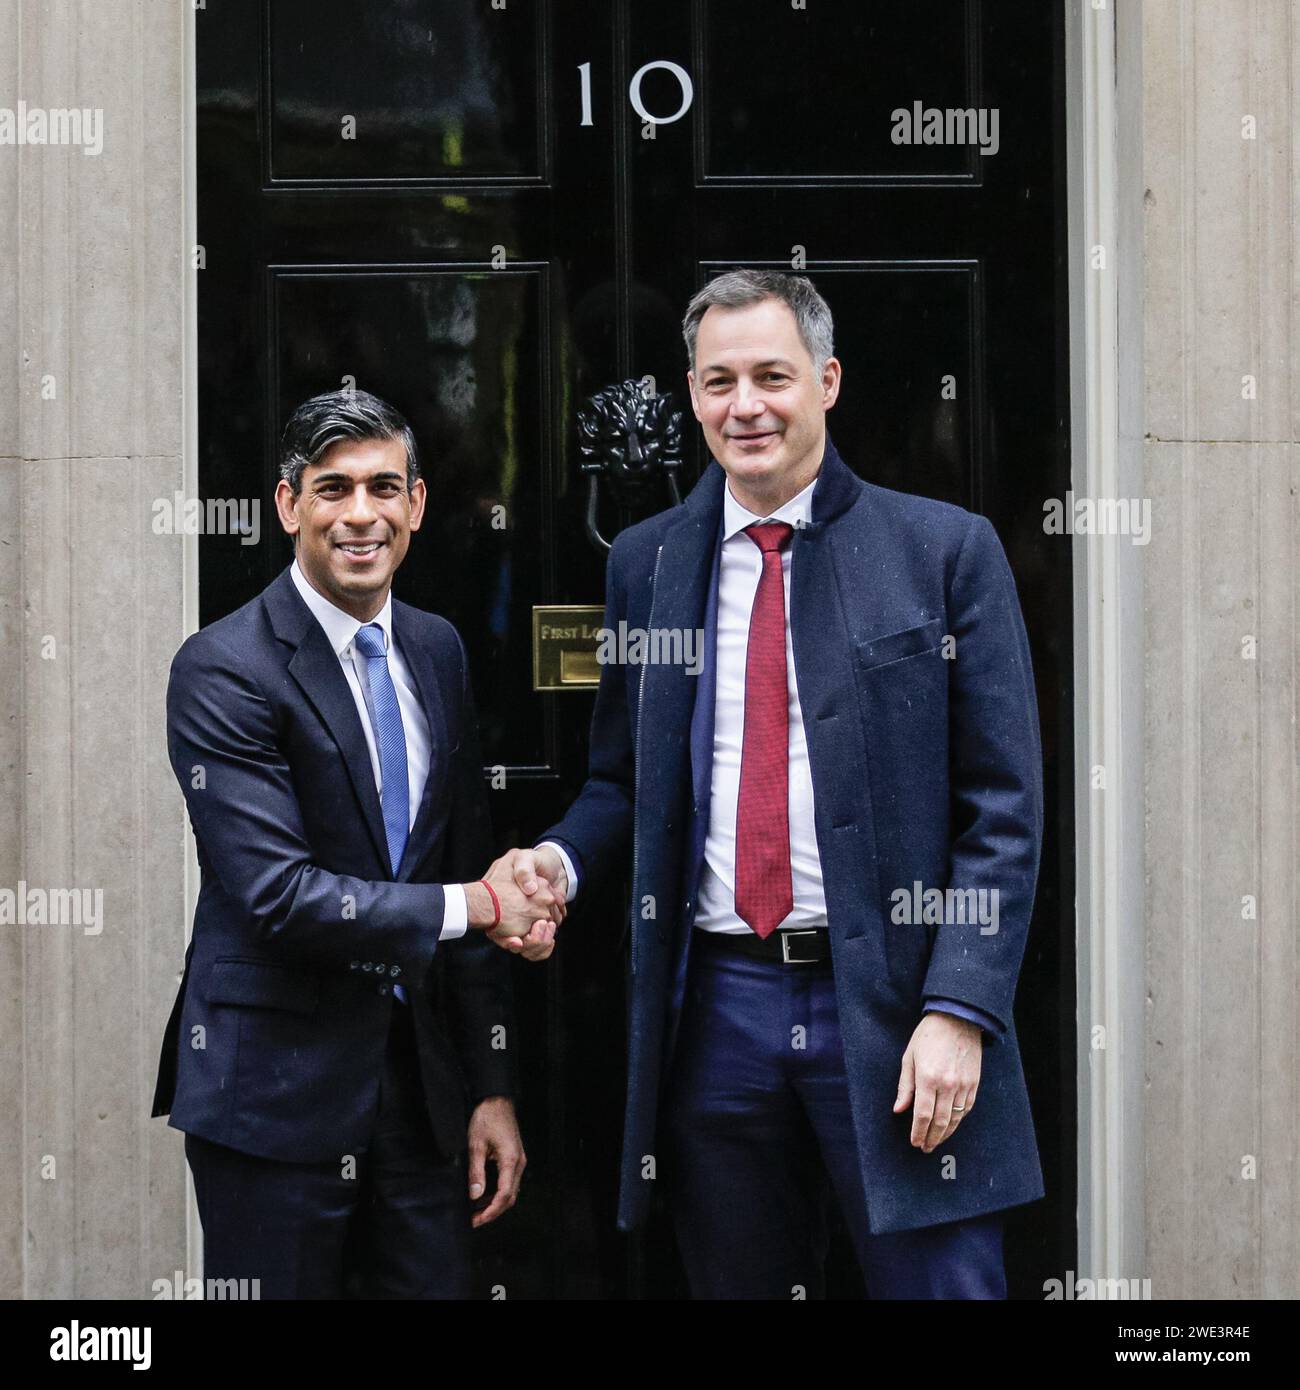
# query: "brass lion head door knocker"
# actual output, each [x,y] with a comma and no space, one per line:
[632,438]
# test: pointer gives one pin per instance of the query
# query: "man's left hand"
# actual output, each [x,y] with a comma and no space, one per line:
[941,1069]
[494,1134]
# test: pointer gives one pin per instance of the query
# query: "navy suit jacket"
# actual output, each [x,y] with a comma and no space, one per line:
[276,1041]
[925,770]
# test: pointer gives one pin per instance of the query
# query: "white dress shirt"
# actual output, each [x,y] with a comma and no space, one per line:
[738,576]
[741,564]
[341,629]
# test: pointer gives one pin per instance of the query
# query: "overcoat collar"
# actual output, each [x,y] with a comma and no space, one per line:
[689,541]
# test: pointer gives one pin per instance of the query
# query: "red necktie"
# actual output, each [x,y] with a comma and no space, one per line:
[764,891]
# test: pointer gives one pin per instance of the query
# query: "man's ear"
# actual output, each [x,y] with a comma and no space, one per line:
[419,495]
[831,375]
[690,391]
[284,507]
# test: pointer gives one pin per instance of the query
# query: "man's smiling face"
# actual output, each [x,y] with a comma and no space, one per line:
[762,404]
[353,518]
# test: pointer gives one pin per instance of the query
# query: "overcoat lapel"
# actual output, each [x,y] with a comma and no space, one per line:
[702,719]
[678,602]
[839,591]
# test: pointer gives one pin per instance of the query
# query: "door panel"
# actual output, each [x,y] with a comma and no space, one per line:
[459,208]
[462,94]
[795,96]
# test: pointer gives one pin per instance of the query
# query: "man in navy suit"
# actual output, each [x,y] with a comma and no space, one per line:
[340,1051]
[835,829]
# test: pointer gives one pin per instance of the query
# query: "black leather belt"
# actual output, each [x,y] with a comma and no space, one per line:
[805,946]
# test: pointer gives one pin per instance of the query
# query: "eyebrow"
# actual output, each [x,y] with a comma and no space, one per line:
[758,366]
[385,476]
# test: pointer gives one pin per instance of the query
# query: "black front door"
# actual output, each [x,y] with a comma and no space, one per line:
[485,211]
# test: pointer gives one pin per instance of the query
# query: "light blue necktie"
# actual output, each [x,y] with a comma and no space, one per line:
[390,736]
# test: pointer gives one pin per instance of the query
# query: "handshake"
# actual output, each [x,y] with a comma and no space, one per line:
[530,885]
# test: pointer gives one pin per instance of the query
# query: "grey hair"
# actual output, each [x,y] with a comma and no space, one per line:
[739,288]
[320,423]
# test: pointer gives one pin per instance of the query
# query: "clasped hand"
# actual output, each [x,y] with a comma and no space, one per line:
[530,886]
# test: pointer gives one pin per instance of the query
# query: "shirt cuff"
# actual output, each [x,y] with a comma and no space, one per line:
[571,873]
[967,1011]
[455,912]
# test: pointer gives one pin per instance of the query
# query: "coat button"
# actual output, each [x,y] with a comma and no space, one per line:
[394,969]
[354,965]
[369,965]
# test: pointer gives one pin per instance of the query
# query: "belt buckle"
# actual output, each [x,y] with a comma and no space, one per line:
[786,957]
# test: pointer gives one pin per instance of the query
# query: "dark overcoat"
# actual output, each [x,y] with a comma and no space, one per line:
[926,770]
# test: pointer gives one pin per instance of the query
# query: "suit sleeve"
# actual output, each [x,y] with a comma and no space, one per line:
[598,826]
[995,780]
[478,996]
[238,787]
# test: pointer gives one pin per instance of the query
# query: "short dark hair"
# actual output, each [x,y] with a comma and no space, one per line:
[739,288]
[328,419]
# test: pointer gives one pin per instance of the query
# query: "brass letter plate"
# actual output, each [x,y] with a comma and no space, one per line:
[565,639]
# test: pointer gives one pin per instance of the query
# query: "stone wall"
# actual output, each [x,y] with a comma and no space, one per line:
[91,611]
[1222,572]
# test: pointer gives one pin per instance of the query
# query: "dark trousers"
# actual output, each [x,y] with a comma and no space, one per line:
[396,1226]
[759,1137]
